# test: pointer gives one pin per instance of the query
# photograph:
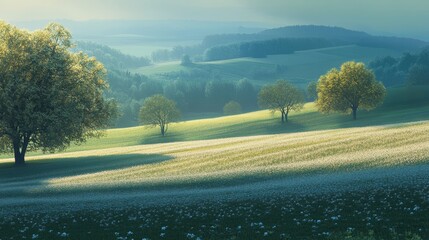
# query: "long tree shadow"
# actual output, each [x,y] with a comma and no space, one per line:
[65,167]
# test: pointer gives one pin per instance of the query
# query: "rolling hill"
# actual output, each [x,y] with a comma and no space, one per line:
[240,176]
[299,68]
[133,79]
[401,105]
[337,35]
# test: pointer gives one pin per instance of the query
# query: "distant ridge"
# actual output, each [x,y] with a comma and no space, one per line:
[337,35]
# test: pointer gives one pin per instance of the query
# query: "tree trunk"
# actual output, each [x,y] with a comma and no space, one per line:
[286,114]
[20,149]
[283,117]
[162,130]
[354,109]
[19,154]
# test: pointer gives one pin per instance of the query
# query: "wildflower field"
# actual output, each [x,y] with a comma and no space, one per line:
[341,183]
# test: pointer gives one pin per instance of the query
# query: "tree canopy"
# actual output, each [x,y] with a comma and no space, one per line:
[411,69]
[350,88]
[159,111]
[231,108]
[312,91]
[49,97]
[281,96]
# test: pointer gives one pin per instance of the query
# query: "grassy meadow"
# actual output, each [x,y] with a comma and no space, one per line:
[213,176]
[223,161]
[260,123]
[245,176]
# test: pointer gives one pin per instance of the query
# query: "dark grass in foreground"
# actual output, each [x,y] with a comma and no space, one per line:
[389,213]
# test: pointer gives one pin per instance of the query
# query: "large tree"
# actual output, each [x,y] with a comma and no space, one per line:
[281,96]
[351,88]
[49,97]
[159,111]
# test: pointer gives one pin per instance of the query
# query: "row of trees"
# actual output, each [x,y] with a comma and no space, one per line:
[190,96]
[347,89]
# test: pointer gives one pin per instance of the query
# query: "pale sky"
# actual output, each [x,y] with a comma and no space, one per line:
[399,17]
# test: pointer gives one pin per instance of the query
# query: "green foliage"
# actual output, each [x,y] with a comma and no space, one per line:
[312,91]
[232,108]
[245,94]
[281,96]
[419,75]
[186,61]
[159,111]
[49,97]
[350,88]
[257,123]
[410,68]
[218,93]
[191,96]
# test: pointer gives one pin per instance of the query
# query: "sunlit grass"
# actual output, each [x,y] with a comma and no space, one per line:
[245,176]
[250,124]
[271,155]
[254,123]
[225,161]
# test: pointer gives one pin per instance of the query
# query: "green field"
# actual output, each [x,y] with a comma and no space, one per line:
[222,161]
[399,107]
[236,177]
[299,68]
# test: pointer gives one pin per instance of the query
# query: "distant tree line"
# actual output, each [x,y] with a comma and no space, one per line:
[111,58]
[130,90]
[412,69]
[177,53]
[260,49]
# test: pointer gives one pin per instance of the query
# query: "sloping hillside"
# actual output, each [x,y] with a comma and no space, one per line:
[350,177]
[300,67]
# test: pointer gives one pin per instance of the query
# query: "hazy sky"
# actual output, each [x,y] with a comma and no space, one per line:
[400,17]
